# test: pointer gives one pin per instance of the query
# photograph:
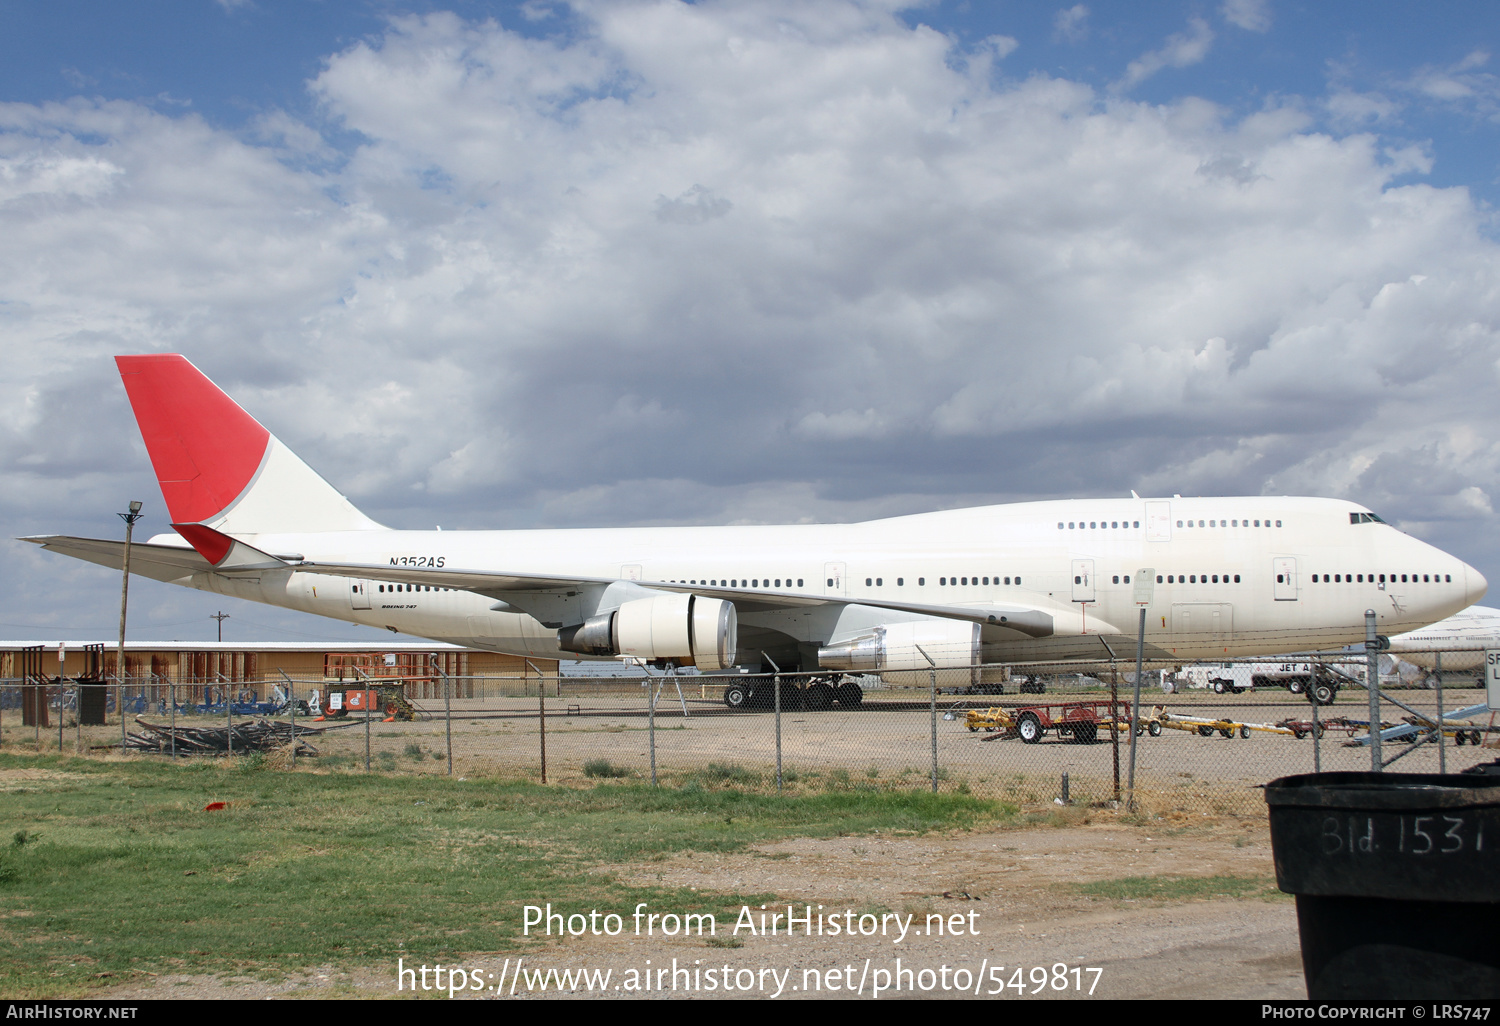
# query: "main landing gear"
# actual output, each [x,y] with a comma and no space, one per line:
[814,693]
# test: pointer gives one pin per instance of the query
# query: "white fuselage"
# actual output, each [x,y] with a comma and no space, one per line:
[1460,641]
[1250,575]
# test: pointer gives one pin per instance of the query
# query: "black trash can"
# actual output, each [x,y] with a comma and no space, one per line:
[1397,879]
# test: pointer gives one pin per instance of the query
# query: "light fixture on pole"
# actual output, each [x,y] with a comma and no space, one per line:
[130,519]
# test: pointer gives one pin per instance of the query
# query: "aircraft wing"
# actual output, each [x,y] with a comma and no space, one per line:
[172,562]
[1029,620]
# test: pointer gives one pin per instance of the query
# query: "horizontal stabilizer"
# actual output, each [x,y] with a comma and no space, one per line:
[158,562]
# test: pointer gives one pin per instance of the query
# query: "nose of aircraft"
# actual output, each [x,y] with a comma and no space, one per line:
[1474,585]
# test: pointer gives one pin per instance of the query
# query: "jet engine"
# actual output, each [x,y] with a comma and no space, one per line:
[687,628]
[899,646]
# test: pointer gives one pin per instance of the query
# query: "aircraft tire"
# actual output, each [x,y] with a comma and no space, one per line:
[736,696]
[819,696]
[850,695]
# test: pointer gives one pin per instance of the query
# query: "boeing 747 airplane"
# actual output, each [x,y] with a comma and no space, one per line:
[963,588]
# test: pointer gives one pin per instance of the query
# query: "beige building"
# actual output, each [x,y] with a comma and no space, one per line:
[255,666]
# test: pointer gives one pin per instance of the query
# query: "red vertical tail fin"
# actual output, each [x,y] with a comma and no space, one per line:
[217,465]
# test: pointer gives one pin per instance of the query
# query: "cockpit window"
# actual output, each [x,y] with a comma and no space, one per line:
[1364,518]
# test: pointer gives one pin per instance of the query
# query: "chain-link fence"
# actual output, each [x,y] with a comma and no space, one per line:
[1202,744]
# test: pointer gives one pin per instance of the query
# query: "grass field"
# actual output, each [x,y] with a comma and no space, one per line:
[1181,888]
[111,868]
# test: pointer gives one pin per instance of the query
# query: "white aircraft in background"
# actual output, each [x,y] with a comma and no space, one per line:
[1461,639]
[1030,582]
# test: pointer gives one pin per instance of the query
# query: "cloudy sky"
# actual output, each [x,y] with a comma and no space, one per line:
[550,264]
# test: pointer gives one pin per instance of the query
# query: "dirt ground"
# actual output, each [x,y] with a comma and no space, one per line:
[1015,883]
[890,743]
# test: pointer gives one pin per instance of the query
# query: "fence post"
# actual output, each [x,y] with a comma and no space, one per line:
[291,701]
[291,696]
[229,711]
[932,681]
[776,689]
[360,675]
[1135,700]
[1317,742]
[1114,724]
[1442,751]
[1372,663]
[448,705]
[541,699]
[651,720]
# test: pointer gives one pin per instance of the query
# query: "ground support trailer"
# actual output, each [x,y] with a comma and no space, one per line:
[1206,726]
[1075,721]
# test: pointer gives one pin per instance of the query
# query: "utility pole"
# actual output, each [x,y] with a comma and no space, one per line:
[220,616]
[130,519]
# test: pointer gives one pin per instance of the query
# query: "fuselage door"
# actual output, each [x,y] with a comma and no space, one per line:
[359,594]
[833,578]
[1158,521]
[1284,568]
[1083,580]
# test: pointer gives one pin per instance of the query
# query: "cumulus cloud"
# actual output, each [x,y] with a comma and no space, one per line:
[1464,85]
[1251,15]
[1181,50]
[1071,24]
[770,262]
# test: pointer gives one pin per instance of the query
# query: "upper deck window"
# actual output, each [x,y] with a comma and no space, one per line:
[1364,518]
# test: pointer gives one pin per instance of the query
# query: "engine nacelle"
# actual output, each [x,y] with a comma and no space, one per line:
[899,646]
[688,628]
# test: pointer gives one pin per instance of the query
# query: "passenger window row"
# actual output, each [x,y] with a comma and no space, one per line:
[1093,525]
[1196,579]
[1371,578]
[736,582]
[1226,523]
[392,588]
